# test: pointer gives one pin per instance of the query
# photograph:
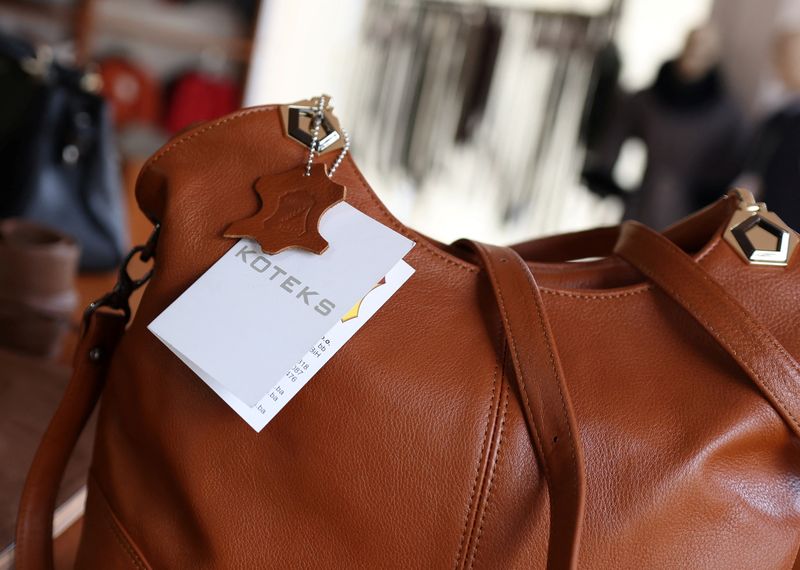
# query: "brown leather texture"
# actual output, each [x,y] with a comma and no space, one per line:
[413,447]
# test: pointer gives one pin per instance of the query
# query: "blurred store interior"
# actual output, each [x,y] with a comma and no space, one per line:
[512,115]
[501,121]
[502,112]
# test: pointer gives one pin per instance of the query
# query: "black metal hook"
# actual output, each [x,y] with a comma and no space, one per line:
[119,297]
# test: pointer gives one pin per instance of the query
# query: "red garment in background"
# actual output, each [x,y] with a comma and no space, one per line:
[198,97]
[135,96]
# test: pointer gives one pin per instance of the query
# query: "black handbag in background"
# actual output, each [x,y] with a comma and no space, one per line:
[58,154]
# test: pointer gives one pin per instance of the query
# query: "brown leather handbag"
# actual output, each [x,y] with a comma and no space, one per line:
[508,408]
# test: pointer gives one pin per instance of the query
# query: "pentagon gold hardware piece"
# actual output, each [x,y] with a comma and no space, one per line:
[297,119]
[290,208]
[759,236]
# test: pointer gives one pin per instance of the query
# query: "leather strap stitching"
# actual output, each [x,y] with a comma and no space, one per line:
[724,341]
[512,343]
[761,333]
[557,555]
[548,342]
[759,328]
[119,534]
[495,464]
[554,368]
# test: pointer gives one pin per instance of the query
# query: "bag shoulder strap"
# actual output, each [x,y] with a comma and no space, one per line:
[754,348]
[34,532]
[545,401]
[760,355]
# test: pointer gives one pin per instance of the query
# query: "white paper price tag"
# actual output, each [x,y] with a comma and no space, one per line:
[306,367]
[247,320]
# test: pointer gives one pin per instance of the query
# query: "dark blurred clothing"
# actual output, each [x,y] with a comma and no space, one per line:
[480,59]
[776,161]
[601,102]
[695,137]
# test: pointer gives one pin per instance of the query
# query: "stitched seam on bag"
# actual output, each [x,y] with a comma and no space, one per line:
[124,545]
[397,226]
[493,478]
[597,296]
[705,254]
[122,540]
[604,296]
[692,309]
[464,533]
[194,134]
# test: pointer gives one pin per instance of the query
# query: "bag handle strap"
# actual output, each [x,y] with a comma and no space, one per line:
[545,400]
[34,532]
[689,233]
[768,364]
[102,330]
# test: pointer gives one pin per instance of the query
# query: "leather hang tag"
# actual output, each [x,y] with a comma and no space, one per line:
[291,205]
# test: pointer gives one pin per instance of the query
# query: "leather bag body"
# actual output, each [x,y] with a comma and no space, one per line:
[418,445]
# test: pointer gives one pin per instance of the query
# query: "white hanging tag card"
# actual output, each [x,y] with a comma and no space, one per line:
[249,319]
[305,368]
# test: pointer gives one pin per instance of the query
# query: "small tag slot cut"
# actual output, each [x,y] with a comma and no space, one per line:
[292,203]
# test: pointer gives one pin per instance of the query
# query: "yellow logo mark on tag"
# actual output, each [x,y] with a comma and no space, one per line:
[353,313]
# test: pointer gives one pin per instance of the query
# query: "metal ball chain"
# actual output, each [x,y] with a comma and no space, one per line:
[319,112]
[342,154]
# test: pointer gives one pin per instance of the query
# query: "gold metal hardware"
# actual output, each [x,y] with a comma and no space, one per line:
[759,236]
[297,121]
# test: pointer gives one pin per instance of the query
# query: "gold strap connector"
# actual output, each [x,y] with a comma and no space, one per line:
[759,236]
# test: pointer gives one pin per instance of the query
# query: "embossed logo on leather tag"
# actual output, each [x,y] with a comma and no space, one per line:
[291,206]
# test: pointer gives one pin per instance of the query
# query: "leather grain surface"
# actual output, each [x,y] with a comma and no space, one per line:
[410,448]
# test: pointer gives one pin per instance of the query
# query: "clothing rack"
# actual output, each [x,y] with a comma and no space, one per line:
[480,102]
